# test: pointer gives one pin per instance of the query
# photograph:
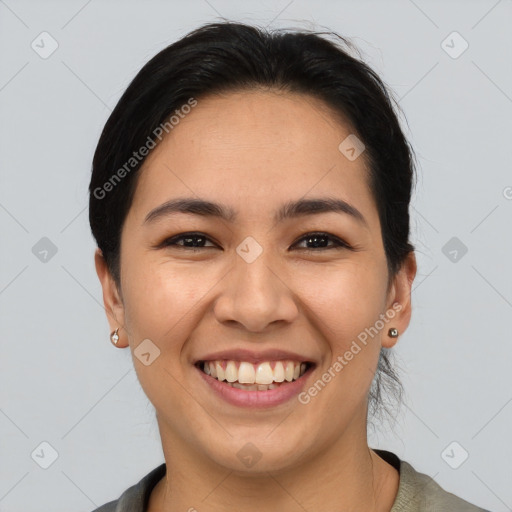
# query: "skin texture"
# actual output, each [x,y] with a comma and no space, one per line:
[254,151]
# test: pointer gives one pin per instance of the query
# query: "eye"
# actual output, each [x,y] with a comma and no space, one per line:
[196,241]
[316,240]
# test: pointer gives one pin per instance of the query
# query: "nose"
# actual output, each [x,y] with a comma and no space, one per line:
[255,295]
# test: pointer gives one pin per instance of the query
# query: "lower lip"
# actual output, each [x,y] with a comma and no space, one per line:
[259,399]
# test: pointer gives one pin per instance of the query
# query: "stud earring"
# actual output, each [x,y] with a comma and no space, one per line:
[393,333]
[114,337]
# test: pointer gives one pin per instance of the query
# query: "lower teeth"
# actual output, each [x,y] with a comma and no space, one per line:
[253,387]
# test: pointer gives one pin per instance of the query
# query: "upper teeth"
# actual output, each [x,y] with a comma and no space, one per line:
[248,373]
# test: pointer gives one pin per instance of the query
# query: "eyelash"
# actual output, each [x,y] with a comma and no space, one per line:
[338,243]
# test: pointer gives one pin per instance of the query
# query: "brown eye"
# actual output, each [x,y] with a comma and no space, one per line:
[196,241]
[320,240]
[190,241]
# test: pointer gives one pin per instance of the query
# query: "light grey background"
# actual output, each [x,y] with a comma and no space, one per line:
[62,382]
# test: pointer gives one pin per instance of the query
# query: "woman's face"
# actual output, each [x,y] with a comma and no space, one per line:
[256,282]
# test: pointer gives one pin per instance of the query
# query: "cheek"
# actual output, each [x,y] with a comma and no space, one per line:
[349,301]
[162,304]
[345,314]
[163,301]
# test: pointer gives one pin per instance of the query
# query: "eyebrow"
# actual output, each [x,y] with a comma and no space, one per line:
[289,210]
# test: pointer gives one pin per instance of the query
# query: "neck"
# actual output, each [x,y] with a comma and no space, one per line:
[345,476]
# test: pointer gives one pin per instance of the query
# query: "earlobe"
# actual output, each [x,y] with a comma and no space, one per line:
[114,336]
[393,332]
[390,337]
[112,301]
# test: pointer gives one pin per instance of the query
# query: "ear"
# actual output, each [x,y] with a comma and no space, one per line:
[111,299]
[400,297]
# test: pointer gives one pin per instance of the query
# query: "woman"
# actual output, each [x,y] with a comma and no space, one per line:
[249,198]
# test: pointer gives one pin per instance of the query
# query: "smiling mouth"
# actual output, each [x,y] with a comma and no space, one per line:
[255,377]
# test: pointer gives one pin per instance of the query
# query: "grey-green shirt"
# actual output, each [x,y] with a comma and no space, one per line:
[417,492]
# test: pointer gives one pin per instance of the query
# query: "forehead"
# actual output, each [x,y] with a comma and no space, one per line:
[251,149]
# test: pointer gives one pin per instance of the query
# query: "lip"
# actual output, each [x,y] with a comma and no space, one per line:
[256,399]
[254,357]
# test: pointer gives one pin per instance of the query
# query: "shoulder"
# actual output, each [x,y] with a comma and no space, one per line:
[107,507]
[418,492]
[428,495]
[136,497]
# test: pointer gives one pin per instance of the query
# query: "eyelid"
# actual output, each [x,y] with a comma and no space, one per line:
[338,243]
[167,241]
